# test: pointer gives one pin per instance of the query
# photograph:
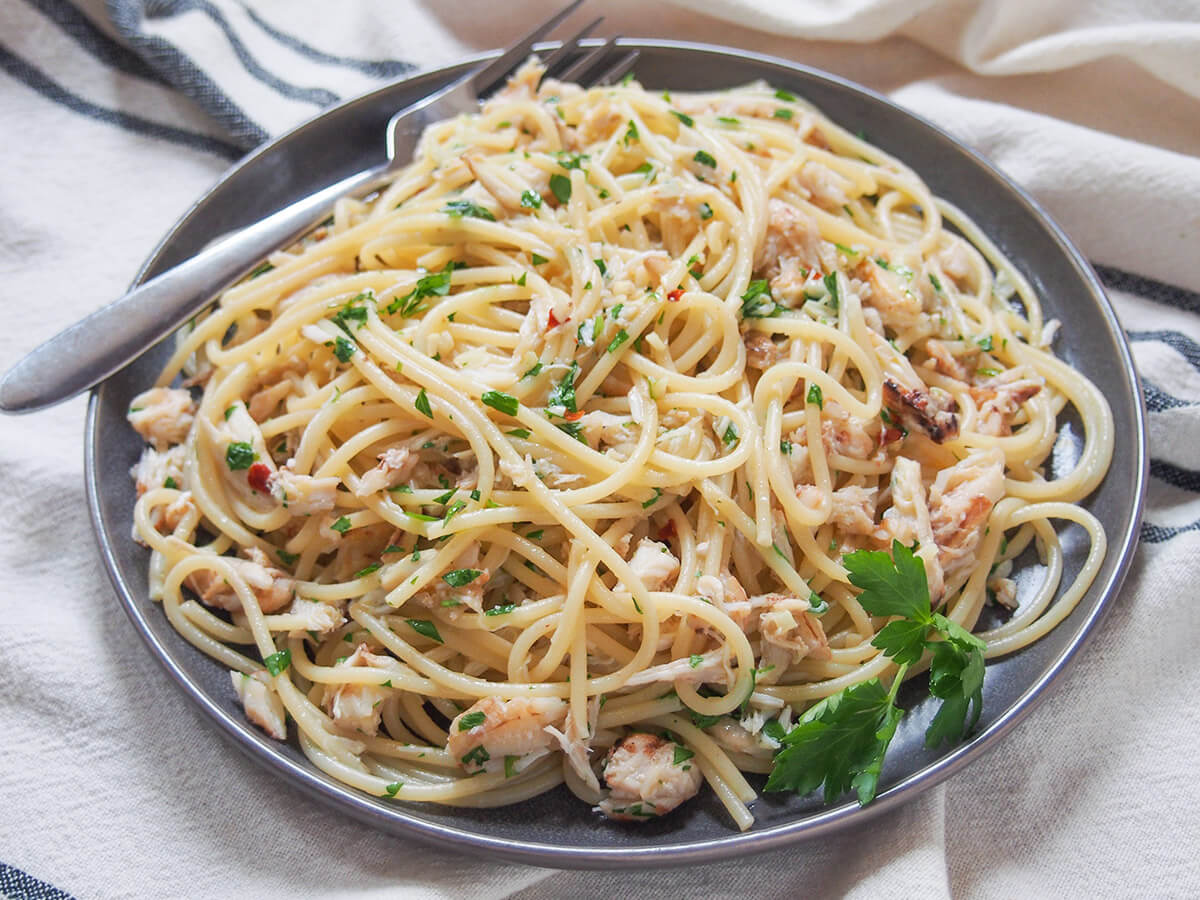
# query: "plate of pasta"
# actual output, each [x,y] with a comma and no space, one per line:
[648,473]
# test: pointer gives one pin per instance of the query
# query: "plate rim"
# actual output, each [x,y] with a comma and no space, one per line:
[822,823]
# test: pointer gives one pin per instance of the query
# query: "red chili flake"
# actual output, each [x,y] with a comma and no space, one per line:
[888,435]
[257,476]
[574,416]
[675,295]
[552,322]
[667,531]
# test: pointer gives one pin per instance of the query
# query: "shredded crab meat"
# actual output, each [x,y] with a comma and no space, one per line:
[357,707]
[271,587]
[302,495]
[960,501]
[260,703]
[508,728]
[1001,397]
[908,521]
[396,464]
[644,780]
[162,416]
[654,563]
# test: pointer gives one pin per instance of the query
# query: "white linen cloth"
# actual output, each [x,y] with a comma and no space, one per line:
[117,115]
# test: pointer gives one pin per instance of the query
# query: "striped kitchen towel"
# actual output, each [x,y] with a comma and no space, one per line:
[118,114]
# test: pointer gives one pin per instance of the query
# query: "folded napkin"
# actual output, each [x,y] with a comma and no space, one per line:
[119,114]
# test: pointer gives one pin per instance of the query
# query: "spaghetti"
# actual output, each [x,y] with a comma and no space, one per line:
[556,444]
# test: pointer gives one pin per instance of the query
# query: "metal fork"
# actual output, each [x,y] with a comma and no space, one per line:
[95,347]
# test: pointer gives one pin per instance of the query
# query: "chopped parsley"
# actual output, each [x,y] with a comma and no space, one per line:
[425,628]
[831,285]
[706,212]
[367,570]
[422,404]
[469,720]
[531,200]
[261,269]
[649,503]
[342,525]
[240,455]
[343,349]
[683,117]
[518,433]
[459,209]
[937,285]
[757,302]
[815,396]
[621,337]
[682,755]
[502,610]
[277,662]
[434,285]
[785,96]
[985,343]
[563,393]
[461,577]
[782,113]
[560,186]
[537,258]
[505,403]
[705,159]
[393,788]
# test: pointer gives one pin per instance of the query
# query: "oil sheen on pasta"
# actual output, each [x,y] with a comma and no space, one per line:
[554,446]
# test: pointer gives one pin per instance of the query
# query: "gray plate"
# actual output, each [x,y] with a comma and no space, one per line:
[556,829]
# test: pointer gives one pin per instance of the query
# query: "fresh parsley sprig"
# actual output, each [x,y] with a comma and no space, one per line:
[841,741]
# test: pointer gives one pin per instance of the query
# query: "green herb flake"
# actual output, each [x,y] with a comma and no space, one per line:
[537,258]
[461,577]
[695,660]
[563,393]
[425,628]
[705,159]
[757,302]
[239,455]
[682,755]
[367,570]
[510,766]
[467,721]
[393,788]
[782,113]
[706,211]
[815,396]
[985,343]
[560,186]
[277,662]
[422,404]
[621,337]
[342,525]
[649,503]
[458,209]
[505,403]
[518,433]
[531,200]
[684,118]
[502,610]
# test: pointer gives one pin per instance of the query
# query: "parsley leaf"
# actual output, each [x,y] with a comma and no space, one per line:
[531,200]
[505,403]
[840,743]
[239,455]
[684,118]
[563,393]
[705,159]
[342,525]
[560,187]
[815,396]
[277,662]
[471,719]
[425,628]
[461,577]
[422,404]
[459,208]
[757,302]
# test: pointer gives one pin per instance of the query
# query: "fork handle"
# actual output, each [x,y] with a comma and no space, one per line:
[95,347]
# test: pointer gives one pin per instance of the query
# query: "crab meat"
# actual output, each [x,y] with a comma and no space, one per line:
[603,429]
[271,587]
[899,306]
[319,618]
[678,221]
[943,360]
[644,779]
[508,728]
[908,521]
[960,501]
[575,742]
[442,594]
[707,668]
[302,495]
[842,433]
[654,564]
[852,508]
[356,707]
[761,351]
[162,416]
[826,187]
[787,626]
[1004,591]
[260,702]
[931,411]
[791,234]
[264,401]
[396,464]
[1000,398]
